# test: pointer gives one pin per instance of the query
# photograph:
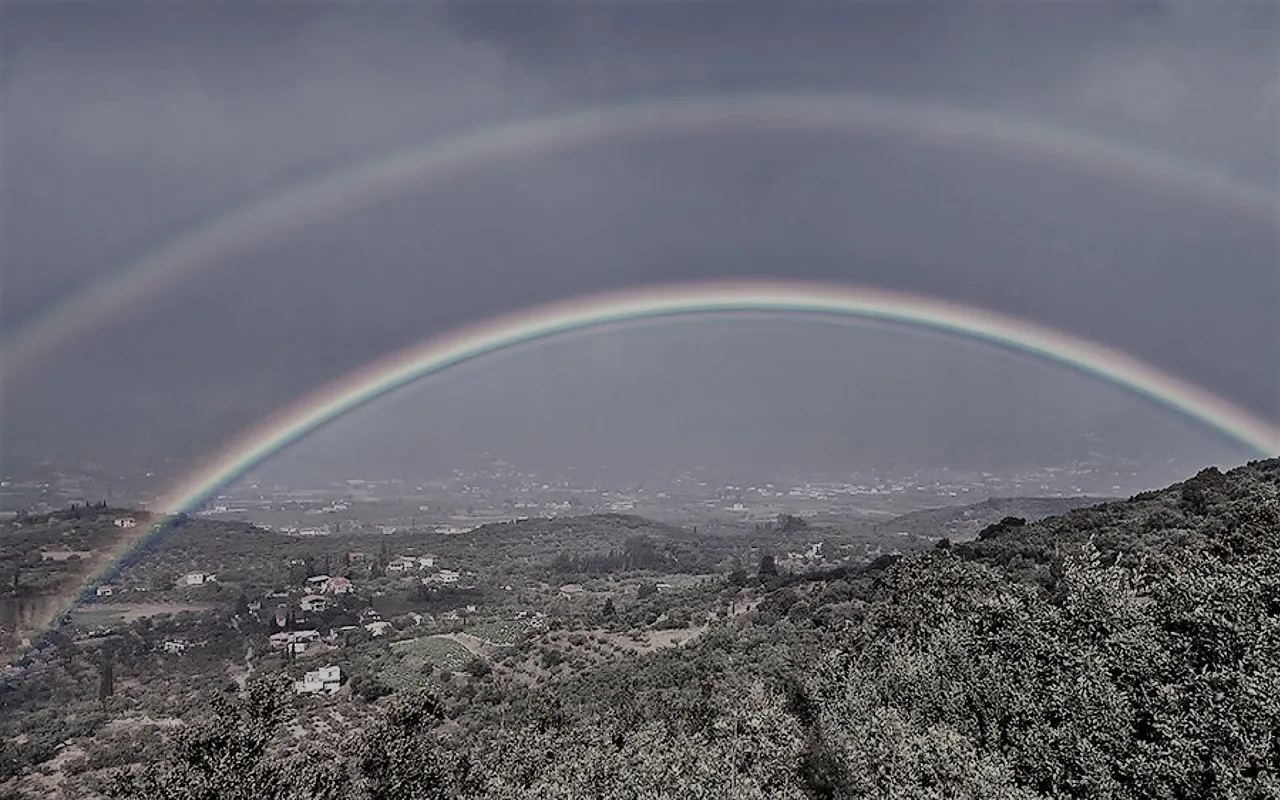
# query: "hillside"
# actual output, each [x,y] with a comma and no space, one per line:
[961,523]
[46,557]
[1125,650]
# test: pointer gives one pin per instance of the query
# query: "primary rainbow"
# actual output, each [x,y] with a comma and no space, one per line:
[637,305]
[718,297]
[215,242]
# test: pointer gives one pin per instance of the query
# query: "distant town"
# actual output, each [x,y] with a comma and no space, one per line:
[499,491]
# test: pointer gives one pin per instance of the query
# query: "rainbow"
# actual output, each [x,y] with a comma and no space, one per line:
[331,196]
[724,297]
[647,304]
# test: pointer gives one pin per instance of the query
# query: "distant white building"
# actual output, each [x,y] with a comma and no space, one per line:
[175,645]
[378,628]
[401,564]
[106,591]
[126,522]
[296,641]
[313,602]
[196,579]
[316,583]
[326,680]
[426,561]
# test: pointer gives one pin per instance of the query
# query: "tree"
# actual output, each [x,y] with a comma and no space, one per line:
[768,566]
[608,611]
[223,754]
[107,680]
[368,687]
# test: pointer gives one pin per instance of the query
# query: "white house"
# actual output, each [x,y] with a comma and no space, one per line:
[326,679]
[175,645]
[313,602]
[378,628]
[106,591]
[401,564]
[126,522]
[196,579]
[426,561]
[294,640]
[315,584]
[446,576]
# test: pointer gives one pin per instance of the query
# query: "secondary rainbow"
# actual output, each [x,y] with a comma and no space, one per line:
[218,241]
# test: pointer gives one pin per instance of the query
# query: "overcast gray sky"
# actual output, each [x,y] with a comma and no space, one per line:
[127,124]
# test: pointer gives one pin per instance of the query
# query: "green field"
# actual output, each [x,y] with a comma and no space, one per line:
[435,650]
[97,615]
[503,633]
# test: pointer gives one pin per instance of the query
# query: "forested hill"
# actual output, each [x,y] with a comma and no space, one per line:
[1223,515]
[960,523]
[1130,650]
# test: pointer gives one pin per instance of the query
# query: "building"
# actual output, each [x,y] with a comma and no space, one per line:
[356,557]
[337,633]
[296,641]
[126,522]
[106,590]
[316,583]
[175,645]
[325,680]
[339,586]
[401,564]
[196,579]
[378,628]
[313,602]
[426,561]
[443,576]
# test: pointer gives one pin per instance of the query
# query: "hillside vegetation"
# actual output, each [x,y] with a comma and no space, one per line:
[960,523]
[1127,650]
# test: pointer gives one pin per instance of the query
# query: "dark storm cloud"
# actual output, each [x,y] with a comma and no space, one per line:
[121,129]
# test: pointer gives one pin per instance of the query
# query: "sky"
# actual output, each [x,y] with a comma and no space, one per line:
[126,124]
